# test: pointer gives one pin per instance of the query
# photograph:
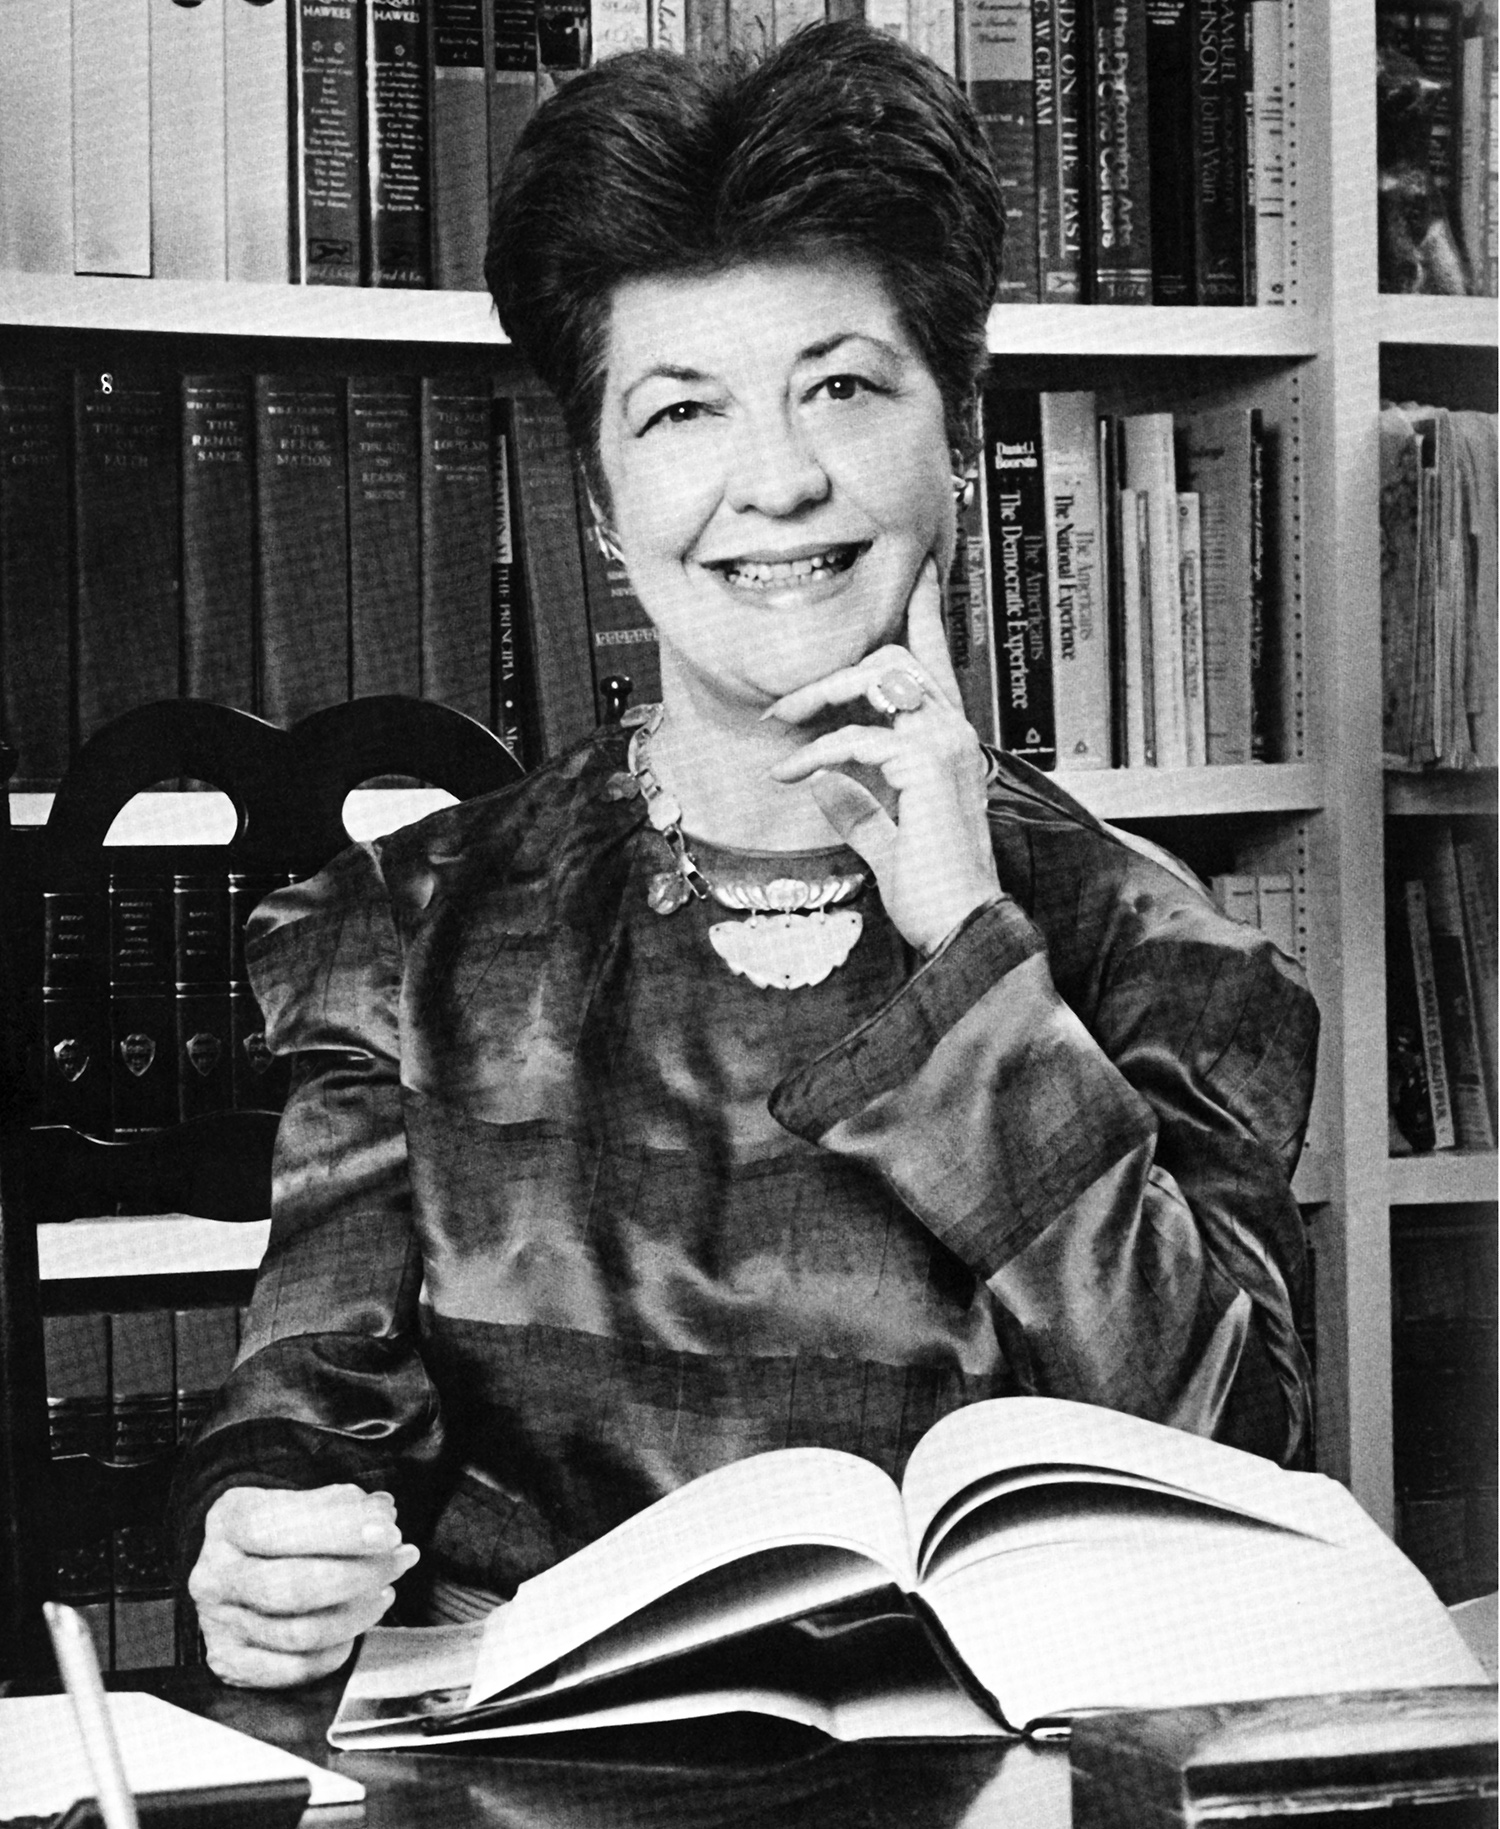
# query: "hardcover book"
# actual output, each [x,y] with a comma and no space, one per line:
[1169,124]
[1079,625]
[460,143]
[1120,185]
[967,619]
[398,201]
[457,544]
[201,963]
[258,148]
[1216,463]
[36,138]
[218,539]
[328,243]
[513,678]
[384,535]
[1218,109]
[189,236]
[1150,472]
[1040,1560]
[1016,520]
[142,1012]
[36,585]
[111,153]
[999,75]
[75,1011]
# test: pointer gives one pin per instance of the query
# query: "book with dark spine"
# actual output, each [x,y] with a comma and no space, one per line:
[1111,469]
[1121,172]
[328,243]
[260,1078]
[558,624]
[1263,695]
[1169,127]
[205,1044]
[143,1429]
[1476,886]
[218,539]
[36,584]
[257,143]
[1061,269]
[127,504]
[458,658]
[515,714]
[385,609]
[999,75]
[564,40]
[1409,1093]
[75,1011]
[1017,522]
[513,77]
[1431,34]
[398,199]
[1218,108]
[142,1012]
[967,618]
[1457,995]
[76,1351]
[303,547]
[460,143]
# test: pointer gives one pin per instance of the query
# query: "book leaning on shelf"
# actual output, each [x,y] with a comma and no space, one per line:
[1039,1560]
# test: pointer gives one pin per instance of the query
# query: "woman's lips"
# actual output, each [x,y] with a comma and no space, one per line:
[759,575]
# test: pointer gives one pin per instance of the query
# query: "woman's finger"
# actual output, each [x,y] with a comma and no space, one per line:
[846,687]
[248,1667]
[303,1634]
[857,816]
[926,637]
[324,1521]
[874,744]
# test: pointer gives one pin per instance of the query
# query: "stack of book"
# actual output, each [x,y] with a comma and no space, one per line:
[1441,948]
[1438,585]
[1111,602]
[1141,143]
[1438,109]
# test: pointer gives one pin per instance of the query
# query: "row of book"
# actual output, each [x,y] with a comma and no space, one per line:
[1141,143]
[1439,578]
[1264,899]
[131,1388]
[1441,947]
[1443,1344]
[1112,602]
[285,542]
[1437,119]
[148,1017]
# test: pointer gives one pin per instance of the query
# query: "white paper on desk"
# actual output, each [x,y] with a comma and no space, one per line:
[163,1244]
[165,1748]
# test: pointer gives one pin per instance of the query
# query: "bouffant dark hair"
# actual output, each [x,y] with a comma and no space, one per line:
[841,141]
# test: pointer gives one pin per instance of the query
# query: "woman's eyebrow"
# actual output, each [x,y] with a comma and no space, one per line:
[825,346]
[663,371]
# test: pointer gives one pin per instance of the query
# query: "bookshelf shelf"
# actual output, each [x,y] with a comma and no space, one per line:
[1166,793]
[1159,330]
[1439,793]
[1473,322]
[1444,1177]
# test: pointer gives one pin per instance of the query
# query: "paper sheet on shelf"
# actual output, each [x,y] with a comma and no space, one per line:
[162,1244]
[165,1748]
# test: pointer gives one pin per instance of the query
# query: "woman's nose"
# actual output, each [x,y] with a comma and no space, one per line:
[775,469]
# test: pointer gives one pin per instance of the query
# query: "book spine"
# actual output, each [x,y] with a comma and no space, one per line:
[398,199]
[563,40]
[76,1349]
[622,637]
[1061,166]
[205,1041]
[970,626]
[75,1011]
[111,137]
[383,449]
[260,1078]
[668,25]
[36,138]
[706,30]
[1079,625]
[327,156]
[932,24]
[1262,646]
[513,77]
[1017,517]
[1169,124]
[1190,559]
[1471,156]
[1150,470]
[127,504]
[1268,102]
[1111,465]
[142,1014]
[188,222]
[1482,946]
[1121,185]
[458,657]
[558,627]
[1135,593]
[1218,152]
[460,143]
[1216,466]
[36,584]
[257,207]
[1000,77]
[616,26]
[514,671]
[1463,1047]
[204,1343]
[142,1406]
[218,539]
[1419,935]
[1400,540]
[302,545]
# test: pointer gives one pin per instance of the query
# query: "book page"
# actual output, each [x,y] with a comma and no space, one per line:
[1155,1603]
[996,1441]
[777,1500]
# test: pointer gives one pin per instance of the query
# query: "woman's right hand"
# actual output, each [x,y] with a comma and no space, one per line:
[286,1581]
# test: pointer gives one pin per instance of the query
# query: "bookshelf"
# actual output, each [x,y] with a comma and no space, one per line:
[1322,361]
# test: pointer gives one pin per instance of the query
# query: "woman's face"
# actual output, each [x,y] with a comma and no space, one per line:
[778,470]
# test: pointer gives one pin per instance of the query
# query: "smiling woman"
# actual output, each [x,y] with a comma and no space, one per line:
[785,1067]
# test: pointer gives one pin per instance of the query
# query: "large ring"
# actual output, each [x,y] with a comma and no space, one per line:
[899,689]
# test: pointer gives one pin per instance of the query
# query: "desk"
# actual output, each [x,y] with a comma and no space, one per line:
[772,1780]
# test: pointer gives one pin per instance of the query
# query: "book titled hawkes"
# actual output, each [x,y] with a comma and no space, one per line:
[1040,1560]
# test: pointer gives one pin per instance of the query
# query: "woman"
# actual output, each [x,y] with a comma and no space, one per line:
[783,1068]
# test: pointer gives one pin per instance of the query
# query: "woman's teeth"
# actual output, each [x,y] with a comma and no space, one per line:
[761,574]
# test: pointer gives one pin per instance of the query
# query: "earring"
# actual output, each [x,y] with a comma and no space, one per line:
[963,488]
[605,540]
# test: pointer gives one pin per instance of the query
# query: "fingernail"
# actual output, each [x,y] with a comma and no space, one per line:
[388,1498]
[769,712]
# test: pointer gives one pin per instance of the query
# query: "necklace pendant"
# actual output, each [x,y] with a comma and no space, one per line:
[666,892]
[787,952]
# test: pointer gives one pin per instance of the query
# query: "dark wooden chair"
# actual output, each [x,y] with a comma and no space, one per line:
[288,789]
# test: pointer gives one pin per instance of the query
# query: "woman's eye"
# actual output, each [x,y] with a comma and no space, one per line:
[843,387]
[680,412]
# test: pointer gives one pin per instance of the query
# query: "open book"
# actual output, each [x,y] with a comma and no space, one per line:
[1040,1559]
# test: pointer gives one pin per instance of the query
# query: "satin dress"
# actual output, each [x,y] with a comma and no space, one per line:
[567,1213]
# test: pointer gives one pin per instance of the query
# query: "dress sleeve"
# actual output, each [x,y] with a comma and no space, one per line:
[1117,1172]
[328,1386]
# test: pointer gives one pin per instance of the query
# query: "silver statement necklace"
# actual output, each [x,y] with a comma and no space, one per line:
[796,933]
